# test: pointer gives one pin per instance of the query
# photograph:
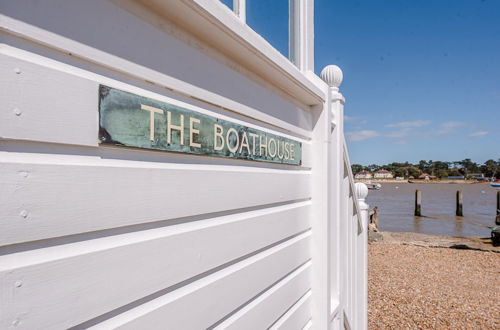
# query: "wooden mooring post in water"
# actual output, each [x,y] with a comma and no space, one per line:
[418,203]
[498,203]
[460,204]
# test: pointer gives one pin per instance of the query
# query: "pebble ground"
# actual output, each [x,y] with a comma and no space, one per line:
[414,287]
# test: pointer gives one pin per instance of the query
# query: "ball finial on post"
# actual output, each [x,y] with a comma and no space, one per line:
[361,190]
[332,75]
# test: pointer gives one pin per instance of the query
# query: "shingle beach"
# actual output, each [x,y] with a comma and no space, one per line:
[418,287]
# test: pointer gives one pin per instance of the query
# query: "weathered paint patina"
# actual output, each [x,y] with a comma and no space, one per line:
[136,121]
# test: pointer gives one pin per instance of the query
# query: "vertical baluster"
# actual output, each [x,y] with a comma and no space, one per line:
[361,193]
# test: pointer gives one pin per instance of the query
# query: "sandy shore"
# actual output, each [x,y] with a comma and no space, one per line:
[420,286]
[417,239]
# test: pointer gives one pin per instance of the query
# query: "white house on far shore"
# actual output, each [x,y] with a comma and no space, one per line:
[383,174]
[363,175]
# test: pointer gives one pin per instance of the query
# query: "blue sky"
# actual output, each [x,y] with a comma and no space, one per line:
[421,78]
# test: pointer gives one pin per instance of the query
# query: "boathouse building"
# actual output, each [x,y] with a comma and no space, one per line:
[163,166]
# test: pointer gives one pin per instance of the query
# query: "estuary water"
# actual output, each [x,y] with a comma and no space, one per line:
[396,205]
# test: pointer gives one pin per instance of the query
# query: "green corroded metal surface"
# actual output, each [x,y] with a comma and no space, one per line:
[135,121]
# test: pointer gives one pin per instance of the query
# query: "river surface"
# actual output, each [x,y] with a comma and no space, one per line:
[396,205]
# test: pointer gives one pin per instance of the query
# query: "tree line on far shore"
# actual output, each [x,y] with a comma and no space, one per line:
[440,169]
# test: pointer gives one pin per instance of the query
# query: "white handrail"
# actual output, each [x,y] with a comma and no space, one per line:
[347,164]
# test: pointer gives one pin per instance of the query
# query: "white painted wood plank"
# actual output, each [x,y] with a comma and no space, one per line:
[249,39]
[117,270]
[46,105]
[285,76]
[59,103]
[307,154]
[45,199]
[143,73]
[203,303]
[296,317]
[272,304]
[337,324]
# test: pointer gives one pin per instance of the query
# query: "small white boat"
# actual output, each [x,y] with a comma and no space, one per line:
[373,186]
[495,185]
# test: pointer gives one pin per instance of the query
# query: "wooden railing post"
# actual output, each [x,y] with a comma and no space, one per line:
[321,248]
[347,226]
[332,75]
[361,193]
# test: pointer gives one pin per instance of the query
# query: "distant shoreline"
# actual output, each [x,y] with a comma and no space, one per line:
[448,181]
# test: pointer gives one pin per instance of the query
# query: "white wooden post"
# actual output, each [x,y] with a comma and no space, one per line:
[332,75]
[320,248]
[239,7]
[362,284]
[301,40]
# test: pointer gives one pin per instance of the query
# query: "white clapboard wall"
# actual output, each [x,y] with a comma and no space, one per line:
[98,236]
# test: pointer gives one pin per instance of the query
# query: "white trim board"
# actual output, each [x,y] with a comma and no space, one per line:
[211,21]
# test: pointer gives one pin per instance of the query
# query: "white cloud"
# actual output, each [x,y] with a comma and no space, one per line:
[413,123]
[362,135]
[452,124]
[410,130]
[479,133]
[399,133]
[358,120]
[448,127]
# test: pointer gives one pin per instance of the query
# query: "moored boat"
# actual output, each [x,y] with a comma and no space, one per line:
[373,186]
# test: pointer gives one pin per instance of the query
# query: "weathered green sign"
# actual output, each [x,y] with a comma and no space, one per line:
[136,121]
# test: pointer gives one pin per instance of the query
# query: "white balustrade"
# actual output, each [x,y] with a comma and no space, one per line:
[349,222]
